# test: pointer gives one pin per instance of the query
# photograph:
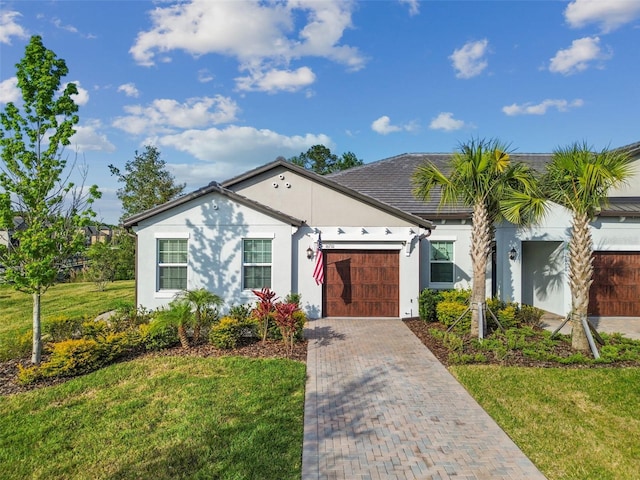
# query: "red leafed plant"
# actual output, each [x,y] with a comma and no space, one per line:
[286,323]
[264,309]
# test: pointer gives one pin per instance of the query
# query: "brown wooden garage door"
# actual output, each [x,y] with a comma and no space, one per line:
[616,284]
[361,283]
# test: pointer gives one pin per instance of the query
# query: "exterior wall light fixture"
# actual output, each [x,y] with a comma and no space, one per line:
[309,253]
[513,254]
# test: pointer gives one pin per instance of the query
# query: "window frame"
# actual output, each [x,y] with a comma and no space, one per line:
[451,261]
[160,265]
[246,264]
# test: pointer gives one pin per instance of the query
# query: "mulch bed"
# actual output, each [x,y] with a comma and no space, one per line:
[276,349]
[514,358]
[250,349]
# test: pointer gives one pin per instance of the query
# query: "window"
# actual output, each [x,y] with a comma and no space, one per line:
[256,264]
[172,264]
[441,262]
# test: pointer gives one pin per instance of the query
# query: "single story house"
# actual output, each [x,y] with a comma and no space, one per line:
[380,246]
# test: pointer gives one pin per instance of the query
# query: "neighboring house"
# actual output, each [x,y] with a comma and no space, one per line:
[529,265]
[7,236]
[97,233]
[381,246]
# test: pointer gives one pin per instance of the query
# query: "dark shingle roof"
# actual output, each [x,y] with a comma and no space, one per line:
[621,207]
[389,181]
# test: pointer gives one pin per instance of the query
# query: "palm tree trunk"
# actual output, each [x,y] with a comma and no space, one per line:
[580,278]
[480,251]
[182,335]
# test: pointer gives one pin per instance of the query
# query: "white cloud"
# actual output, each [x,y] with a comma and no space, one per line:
[542,107]
[445,121]
[608,14]
[166,115]
[69,28]
[277,80]
[129,90]
[469,61]
[82,97]
[88,138]
[383,126]
[260,35]
[414,6]
[233,150]
[10,28]
[204,76]
[9,91]
[578,56]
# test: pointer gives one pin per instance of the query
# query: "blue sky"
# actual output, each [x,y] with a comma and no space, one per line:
[221,87]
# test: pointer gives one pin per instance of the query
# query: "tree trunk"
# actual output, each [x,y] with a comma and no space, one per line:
[480,251]
[196,333]
[182,335]
[580,279]
[36,352]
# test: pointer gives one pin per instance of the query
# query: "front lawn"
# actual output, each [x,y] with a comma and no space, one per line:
[64,299]
[160,417]
[572,423]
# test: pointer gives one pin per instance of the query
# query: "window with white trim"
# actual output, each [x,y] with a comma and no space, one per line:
[172,263]
[441,262]
[256,263]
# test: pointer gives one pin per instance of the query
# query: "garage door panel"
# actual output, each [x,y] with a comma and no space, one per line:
[361,283]
[616,284]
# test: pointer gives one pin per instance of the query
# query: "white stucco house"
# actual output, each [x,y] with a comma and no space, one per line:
[261,229]
[381,246]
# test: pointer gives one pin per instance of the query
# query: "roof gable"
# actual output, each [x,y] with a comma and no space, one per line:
[259,174]
[215,188]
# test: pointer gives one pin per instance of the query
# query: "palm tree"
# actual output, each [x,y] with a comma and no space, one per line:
[202,301]
[480,175]
[579,179]
[177,315]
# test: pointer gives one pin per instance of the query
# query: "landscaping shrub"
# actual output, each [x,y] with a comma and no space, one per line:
[94,329]
[61,328]
[68,358]
[287,323]
[300,321]
[530,315]
[240,312]
[74,357]
[229,330]
[17,346]
[264,311]
[427,302]
[507,315]
[155,339]
[127,316]
[450,311]
[456,295]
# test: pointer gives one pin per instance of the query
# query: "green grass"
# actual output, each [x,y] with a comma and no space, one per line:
[70,299]
[160,418]
[572,423]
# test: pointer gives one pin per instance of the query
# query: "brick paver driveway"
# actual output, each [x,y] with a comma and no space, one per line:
[379,405]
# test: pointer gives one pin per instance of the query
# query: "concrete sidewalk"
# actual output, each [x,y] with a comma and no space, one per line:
[379,405]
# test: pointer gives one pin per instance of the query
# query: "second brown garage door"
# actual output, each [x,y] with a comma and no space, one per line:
[615,290]
[361,283]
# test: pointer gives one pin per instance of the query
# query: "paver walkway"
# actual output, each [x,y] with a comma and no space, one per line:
[379,405]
